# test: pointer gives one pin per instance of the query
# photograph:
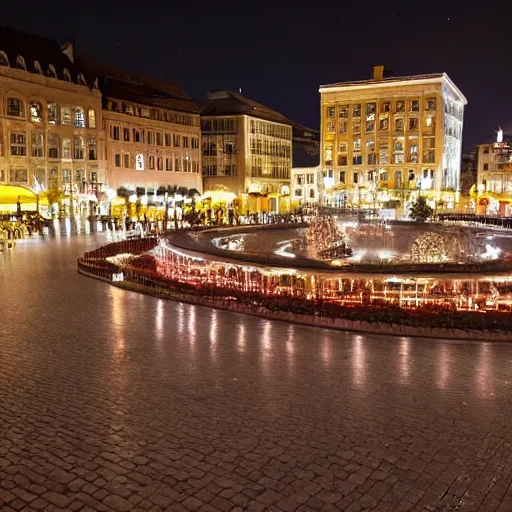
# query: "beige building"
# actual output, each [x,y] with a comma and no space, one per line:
[152,132]
[306,185]
[386,140]
[51,133]
[246,147]
[494,176]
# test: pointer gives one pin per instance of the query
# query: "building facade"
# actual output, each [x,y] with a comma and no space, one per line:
[306,185]
[386,140]
[51,135]
[494,176]
[246,147]
[152,132]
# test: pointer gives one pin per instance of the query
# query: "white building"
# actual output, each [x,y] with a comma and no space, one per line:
[305,183]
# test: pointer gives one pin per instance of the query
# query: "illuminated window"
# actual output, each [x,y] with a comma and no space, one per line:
[126,134]
[53,113]
[51,71]
[65,115]
[399,124]
[370,123]
[429,150]
[343,111]
[386,106]
[92,144]
[37,68]
[78,148]
[92,118]
[18,144]
[37,144]
[328,154]
[330,112]
[15,107]
[384,122]
[414,105]
[176,141]
[383,151]
[36,112]
[356,125]
[53,146]
[343,126]
[429,121]
[79,117]
[151,138]
[370,108]
[398,150]
[413,123]
[357,145]
[398,179]
[53,178]
[356,110]
[18,176]
[330,126]
[431,104]
[66,75]
[66,149]
[413,150]
[400,106]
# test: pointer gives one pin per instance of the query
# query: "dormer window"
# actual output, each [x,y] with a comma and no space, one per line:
[4,61]
[20,63]
[37,68]
[66,75]
[51,71]
[81,79]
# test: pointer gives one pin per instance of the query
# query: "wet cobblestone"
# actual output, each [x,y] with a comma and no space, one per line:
[113,401]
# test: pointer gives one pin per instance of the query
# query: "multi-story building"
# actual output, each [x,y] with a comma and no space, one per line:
[385,140]
[51,134]
[246,148]
[152,132]
[494,176]
[306,185]
[468,171]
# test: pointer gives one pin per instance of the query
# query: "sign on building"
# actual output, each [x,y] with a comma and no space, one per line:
[118,277]
[139,162]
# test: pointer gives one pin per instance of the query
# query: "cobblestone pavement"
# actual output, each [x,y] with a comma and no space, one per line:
[114,401]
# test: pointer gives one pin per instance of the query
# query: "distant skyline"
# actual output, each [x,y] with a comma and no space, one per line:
[280,55]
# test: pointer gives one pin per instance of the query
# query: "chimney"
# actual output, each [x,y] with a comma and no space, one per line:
[378,72]
[69,51]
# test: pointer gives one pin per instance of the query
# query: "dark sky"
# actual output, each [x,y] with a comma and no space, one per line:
[279,53]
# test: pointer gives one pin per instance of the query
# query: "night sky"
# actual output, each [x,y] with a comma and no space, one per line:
[279,53]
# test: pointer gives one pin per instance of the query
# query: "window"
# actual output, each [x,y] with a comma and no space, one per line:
[18,144]
[53,178]
[66,177]
[330,126]
[137,135]
[414,105]
[37,145]
[356,110]
[159,139]
[126,158]
[298,192]
[160,164]
[343,111]
[92,118]
[40,176]
[151,162]
[4,61]
[356,125]
[310,179]
[114,132]
[53,146]
[357,144]
[126,134]
[355,178]
[413,150]
[52,113]
[398,179]
[398,150]
[342,147]
[228,147]
[66,76]
[176,141]
[331,112]
[128,109]
[15,107]
[383,122]
[18,176]
[117,160]
[177,164]
[300,179]
[92,148]
[20,63]
[383,151]
[399,125]
[486,150]
[78,148]
[168,164]
[343,126]
[357,159]
[400,106]
[429,122]
[370,108]
[372,159]
[413,123]
[36,112]
[383,175]
[328,154]
[79,117]
[51,71]
[195,144]
[151,137]
[185,142]
[431,104]
[342,160]
[81,79]
[429,150]
[66,149]
[342,177]
[370,123]
[486,167]
[65,115]
[385,107]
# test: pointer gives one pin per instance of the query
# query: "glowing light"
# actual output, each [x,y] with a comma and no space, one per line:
[491,253]
[133,198]
[282,251]
[385,255]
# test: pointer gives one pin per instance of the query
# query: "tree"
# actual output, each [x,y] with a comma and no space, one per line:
[420,210]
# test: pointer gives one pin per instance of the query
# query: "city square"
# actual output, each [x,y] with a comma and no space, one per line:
[157,405]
